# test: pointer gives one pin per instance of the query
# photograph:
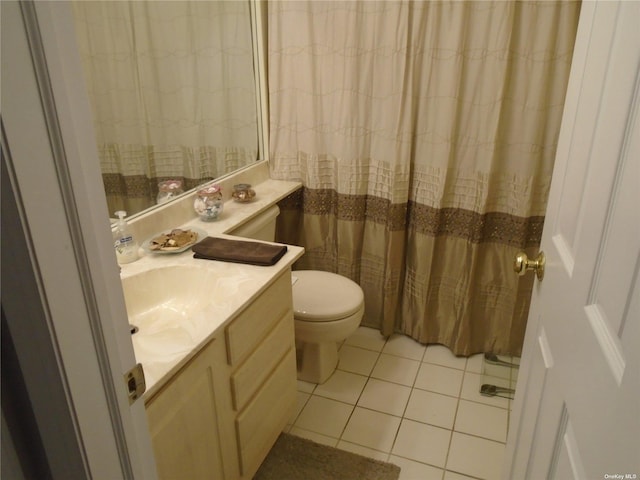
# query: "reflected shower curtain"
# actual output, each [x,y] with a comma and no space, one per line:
[172,90]
[424,134]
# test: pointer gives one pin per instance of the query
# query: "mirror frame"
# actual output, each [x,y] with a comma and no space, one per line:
[258,9]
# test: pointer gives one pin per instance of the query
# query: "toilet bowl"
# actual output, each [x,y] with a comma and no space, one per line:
[327,308]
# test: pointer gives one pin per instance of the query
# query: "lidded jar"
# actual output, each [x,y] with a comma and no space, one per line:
[168,189]
[208,203]
[242,192]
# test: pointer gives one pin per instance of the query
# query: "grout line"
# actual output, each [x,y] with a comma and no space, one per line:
[479,437]
[453,427]
[424,463]
[515,386]
[413,387]
[303,406]
[402,417]
[465,475]
[359,396]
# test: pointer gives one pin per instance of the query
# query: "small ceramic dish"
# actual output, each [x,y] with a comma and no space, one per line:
[148,243]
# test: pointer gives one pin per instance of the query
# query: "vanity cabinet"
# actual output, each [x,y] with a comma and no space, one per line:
[183,420]
[261,355]
[219,416]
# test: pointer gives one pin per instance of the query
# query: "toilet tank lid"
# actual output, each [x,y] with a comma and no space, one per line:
[325,296]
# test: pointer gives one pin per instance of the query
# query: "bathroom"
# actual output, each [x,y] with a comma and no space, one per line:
[366,341]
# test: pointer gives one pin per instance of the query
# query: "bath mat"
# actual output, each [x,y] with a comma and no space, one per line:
[296,458]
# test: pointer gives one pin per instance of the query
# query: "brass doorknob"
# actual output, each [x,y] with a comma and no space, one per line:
[522,263]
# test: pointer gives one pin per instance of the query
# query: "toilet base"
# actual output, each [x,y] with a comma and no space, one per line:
[316,361]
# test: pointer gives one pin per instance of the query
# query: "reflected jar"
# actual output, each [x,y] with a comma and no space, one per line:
[208,203]
[168,190]
[242,192]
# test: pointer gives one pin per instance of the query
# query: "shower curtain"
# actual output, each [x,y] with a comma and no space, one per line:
[424,134]
[172,90]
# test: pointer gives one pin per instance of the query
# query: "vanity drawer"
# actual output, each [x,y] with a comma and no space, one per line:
[255,369]
[260,423]
[252,325]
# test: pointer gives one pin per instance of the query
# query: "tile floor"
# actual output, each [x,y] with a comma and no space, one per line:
[416,406]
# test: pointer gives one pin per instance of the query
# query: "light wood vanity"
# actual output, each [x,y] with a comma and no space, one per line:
[220,413]
[217,401]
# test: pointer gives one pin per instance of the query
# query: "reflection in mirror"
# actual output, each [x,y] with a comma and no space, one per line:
[172,91]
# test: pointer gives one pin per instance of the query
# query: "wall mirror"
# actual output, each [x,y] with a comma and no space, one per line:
[174,94]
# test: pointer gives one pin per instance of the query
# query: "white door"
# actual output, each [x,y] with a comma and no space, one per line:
[577,406]
[49,151]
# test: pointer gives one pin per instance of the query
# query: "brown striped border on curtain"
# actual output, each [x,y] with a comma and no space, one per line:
[355,208]
[130,185]
[141,185]
[490,227]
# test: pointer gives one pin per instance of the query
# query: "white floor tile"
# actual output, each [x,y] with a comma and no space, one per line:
[324,416]
[342,386]
[364,451]
[407,405]
[514,375]
[371,429]
[432,408]
[357,360]
[441,355]
[455,476]
[410,470]
[475,456]
[422,443]
[439,379]
[301,402]
[306,387]
[396,369]
[474,363]
[365,337]
[482,420]
[499,371]
[512,385]
[404,346]
[471,391]
[314,437]
[385,397]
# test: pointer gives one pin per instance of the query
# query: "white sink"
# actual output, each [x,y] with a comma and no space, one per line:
[164,298]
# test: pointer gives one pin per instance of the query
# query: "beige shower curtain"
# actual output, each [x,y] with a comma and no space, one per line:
[172,90]
[424,134]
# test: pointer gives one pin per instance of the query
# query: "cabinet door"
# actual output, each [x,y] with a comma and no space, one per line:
[183,424]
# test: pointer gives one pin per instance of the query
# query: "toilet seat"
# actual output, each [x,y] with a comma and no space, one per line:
[323,296]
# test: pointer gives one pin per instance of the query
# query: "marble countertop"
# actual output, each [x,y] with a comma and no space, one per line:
[233,287]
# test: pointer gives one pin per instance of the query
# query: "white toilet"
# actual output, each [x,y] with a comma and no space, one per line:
[327,308]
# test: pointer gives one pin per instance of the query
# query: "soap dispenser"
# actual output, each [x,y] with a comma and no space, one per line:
[124,243]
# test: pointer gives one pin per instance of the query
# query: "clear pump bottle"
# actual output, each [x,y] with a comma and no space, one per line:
[124,243]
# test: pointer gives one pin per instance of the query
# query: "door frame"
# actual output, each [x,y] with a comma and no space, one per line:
[74,350]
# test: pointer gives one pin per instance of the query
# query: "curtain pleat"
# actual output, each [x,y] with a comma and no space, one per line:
[424,135]
[172,90]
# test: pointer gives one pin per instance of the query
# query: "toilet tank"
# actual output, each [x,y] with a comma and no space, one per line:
[260,227]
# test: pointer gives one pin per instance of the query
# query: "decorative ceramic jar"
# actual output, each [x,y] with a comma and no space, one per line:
[168,190]
[242,192]
[208,203]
